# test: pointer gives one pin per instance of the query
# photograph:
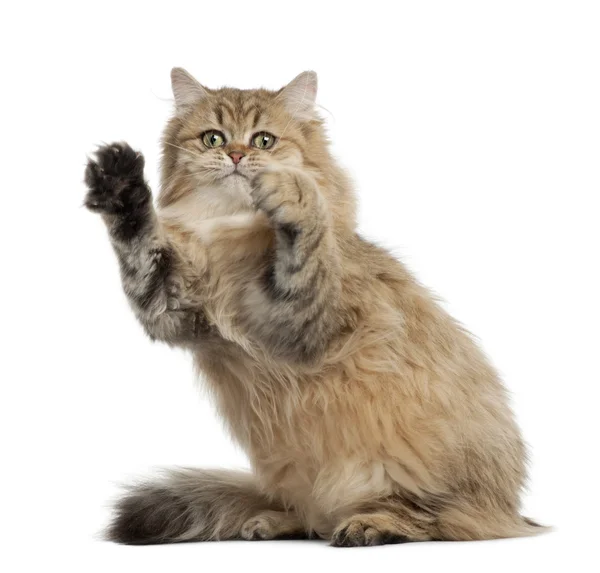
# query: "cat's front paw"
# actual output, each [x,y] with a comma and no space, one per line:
[357,533]
[285,195]
[115,180]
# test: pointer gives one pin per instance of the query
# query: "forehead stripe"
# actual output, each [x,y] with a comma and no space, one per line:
[257,115]
[225,106]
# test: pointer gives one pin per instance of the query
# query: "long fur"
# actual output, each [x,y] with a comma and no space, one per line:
[368,414]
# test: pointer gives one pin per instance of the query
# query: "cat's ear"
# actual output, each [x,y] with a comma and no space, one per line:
[186,89]
[300,95]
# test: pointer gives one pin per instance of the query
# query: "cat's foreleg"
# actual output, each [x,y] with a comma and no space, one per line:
[150,266]
[296,312]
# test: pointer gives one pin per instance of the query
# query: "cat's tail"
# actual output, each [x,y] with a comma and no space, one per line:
[187,505]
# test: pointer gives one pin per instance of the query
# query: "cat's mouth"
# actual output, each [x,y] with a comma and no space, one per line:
[235,174]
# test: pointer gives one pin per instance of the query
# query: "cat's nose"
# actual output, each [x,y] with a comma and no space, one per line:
[236,156]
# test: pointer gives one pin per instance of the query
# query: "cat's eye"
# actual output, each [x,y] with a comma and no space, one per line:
[213,138]
[263,140]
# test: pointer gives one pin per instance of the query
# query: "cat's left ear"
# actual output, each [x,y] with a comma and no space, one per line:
[300,95]
[187,90]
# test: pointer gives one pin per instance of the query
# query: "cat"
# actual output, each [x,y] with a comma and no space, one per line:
[368,414]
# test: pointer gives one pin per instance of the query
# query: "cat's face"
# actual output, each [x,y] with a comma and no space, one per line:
[220,139]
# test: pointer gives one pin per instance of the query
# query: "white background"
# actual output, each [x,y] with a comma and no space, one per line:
[472,130]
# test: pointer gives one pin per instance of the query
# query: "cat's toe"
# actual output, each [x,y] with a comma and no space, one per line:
[93,173]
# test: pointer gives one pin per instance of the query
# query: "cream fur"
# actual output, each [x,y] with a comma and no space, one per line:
[394,426]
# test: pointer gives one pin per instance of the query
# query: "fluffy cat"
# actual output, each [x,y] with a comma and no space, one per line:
[368,414]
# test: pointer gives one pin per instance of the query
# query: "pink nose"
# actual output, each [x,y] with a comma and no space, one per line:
[236,156]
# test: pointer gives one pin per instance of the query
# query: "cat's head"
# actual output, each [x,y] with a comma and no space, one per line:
[218,140]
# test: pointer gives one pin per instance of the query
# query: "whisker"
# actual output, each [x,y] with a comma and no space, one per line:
[183,149]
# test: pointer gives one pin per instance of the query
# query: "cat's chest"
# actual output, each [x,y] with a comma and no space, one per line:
[209,203]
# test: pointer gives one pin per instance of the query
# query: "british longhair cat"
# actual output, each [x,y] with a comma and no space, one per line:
[368,414]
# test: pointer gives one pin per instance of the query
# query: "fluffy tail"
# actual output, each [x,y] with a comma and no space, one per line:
[187,505]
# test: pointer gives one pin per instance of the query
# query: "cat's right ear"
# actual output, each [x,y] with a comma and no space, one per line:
[186,89]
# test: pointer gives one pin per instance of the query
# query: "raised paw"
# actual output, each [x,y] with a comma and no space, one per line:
[361,534]
[285,195]
[115,180]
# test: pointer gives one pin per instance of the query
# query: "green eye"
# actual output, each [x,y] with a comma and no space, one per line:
[213,138]
[263,140]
